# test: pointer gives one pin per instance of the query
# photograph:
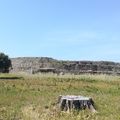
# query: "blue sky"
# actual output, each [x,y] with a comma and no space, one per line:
[62,29]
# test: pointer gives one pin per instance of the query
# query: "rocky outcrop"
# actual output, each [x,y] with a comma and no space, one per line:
[36,64]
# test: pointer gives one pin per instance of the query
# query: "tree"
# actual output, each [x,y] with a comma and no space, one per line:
[5,63]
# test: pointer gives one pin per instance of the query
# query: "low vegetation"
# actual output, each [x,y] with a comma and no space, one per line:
[34,97]
[10,76]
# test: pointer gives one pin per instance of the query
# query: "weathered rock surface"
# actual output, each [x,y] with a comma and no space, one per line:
[36,64]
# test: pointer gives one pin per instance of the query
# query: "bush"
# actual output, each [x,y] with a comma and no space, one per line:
[5,63]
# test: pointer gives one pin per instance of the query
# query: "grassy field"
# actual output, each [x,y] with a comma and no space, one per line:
[34,97]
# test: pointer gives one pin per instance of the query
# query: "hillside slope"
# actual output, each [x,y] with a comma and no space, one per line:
[26,64]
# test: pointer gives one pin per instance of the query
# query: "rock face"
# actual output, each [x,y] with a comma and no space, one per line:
[36,64]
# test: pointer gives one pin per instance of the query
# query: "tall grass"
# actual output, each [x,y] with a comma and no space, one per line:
[34,97]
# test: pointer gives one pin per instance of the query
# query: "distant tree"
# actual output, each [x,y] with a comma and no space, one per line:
[5,63]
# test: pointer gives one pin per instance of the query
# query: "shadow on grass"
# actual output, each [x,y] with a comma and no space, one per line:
[11,78]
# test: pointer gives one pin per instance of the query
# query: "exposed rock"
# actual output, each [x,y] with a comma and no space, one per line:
[38,64]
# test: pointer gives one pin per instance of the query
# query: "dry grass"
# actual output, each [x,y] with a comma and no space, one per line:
[33,97]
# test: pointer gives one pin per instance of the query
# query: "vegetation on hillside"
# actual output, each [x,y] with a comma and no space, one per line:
[34,97]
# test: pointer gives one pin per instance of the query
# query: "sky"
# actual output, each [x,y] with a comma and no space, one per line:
[61,29]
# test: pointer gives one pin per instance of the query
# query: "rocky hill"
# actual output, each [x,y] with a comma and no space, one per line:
[45,64]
